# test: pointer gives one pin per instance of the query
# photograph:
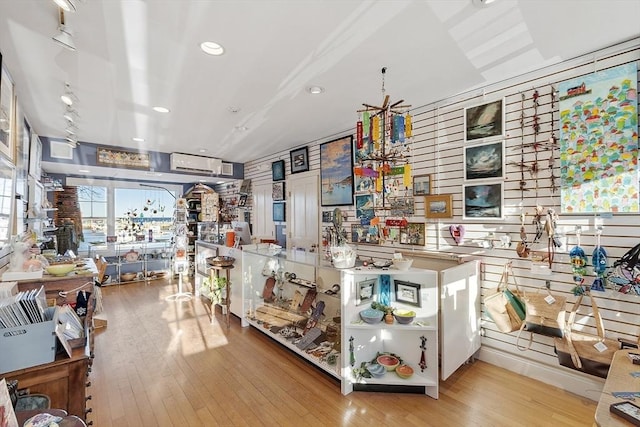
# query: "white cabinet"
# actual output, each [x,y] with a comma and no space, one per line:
[414,290]
[275,286]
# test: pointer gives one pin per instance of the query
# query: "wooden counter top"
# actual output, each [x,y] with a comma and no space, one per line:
[618,379]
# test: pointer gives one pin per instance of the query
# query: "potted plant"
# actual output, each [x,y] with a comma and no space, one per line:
[212,288]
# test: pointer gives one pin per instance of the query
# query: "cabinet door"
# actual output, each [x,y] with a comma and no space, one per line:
[263,211]
[303,222]
[459,315]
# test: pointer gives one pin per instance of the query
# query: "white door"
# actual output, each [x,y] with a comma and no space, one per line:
[303,219]
[263,212]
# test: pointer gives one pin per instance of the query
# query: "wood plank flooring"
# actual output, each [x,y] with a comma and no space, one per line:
[164,363]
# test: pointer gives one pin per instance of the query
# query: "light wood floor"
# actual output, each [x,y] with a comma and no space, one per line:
[163,363]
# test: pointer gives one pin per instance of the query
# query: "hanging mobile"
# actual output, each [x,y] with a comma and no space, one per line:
[423,358]
[599,261]
[578,261]
[352,358]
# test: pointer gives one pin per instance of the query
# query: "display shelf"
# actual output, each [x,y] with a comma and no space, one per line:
[152,260]
[206,250]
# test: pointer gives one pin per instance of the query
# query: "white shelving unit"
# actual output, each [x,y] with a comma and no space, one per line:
[142,258]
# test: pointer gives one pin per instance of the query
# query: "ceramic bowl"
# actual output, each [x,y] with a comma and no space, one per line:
[376,370]
[404,371]
[404,316]
[60,269]
[371,315]
[402,264]
[127,277]
[389,362]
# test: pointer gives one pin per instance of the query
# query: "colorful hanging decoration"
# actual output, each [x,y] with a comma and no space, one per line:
[423,356]
[578,261]
[599,261]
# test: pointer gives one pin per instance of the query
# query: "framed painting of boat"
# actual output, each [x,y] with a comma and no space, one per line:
[336,172]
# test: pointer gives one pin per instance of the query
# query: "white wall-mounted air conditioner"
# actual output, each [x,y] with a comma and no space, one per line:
[190,163]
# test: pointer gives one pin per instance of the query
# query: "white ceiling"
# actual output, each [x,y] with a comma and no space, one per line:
[135,54]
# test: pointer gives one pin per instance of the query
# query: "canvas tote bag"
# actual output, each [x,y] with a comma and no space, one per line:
[577,350]
[503,306]
[545,315]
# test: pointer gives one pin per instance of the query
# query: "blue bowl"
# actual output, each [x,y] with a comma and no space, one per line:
[371,315]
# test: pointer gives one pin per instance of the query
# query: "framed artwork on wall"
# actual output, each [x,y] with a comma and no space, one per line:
[482,200]
[279,213]
[438,206]
[35,157]
[22,159]
[122,159]
[413,234]
[364,206]
[407,292]
[299,160]
[277,170]
[484,161]
[422,185]
[366,291]
[336,172]
[277,193]
[364,234]
[7,106]
[484,121]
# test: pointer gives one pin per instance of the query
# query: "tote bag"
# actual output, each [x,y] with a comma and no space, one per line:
[503,306]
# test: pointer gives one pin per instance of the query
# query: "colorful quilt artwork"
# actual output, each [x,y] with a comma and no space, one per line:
[599,141]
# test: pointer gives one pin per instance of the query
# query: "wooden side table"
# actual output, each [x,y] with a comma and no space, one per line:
[215,274]
[618,379]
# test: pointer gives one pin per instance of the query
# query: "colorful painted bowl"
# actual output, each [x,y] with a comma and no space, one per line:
[371,315]
[389,362]
[404,371]
[376,370]
[404,316]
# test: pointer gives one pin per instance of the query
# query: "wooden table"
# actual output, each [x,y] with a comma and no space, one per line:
[618,379]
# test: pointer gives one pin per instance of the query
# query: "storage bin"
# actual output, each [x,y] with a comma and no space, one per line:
[25,346]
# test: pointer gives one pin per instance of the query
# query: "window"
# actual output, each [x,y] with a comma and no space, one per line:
[139,211]
[93,208]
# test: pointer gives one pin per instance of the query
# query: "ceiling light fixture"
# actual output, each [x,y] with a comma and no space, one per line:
[83,170]
[70,114]
[72,141]
[66,5]
[482,3]
[315,90]
[138,139]
[212,48]
[68,97]
[161,109]
[71,130]
[65,37]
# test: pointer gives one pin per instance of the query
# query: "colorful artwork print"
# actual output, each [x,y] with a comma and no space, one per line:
[599,141]
[484,121]
[364,234]
[484,161]
[118,158]
[336,172]
[413,234]
[364,206]
[483,201]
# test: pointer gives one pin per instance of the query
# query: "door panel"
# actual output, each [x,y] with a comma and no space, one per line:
[303,220]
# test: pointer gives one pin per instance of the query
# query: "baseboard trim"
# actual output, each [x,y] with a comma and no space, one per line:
[577,383]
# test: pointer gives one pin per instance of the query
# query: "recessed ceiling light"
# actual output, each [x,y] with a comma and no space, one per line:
[315,90]
[136,139]
[241,128]
[161,109]
[203,150]
[212,48]
[482,3]
[66,99]
[83,170]
[220,182]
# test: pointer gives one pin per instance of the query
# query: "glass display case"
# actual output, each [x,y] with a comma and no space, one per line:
[135,261]
[213,232]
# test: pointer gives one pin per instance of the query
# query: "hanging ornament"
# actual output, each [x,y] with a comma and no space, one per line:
[423,356]
[398,129]
[599,261]
[359,142]
[578,261]
[408,127]
[375,131]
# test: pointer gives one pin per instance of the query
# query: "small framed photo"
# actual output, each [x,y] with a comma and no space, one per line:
[299,160]
[327,216]
[407,292]
[242,201]
[365,291]
[413,234]
[277,170]
[277,192]
[422,185]
[279,211]
[484,121]
[438,206]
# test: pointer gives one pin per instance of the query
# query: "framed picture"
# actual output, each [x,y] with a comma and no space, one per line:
[35,157]
[277,170]
[407,292]
[422,185]
[438,206]
[484,161]
[367,234]
[364,206]
[7,124]
[299,160]
[279,211]
[242,201]
[365,291]
[327,216]
[484,121]
[277,192]
[336,172]
[122,159]
[482,201]
[22,159]
[401,206]
[413,234]
[364,184]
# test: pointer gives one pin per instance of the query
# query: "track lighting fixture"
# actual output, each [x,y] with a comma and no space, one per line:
[66,5]
[65,37]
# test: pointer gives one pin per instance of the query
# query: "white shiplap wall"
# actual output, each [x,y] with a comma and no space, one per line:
[438,149]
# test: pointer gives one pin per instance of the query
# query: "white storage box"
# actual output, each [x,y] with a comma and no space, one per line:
[25,346]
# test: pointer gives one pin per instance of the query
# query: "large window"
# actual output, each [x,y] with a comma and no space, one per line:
[93,208]
[139,212]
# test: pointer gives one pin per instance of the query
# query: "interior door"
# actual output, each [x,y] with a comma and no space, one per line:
[263,212]
[459,315]
[303,218]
